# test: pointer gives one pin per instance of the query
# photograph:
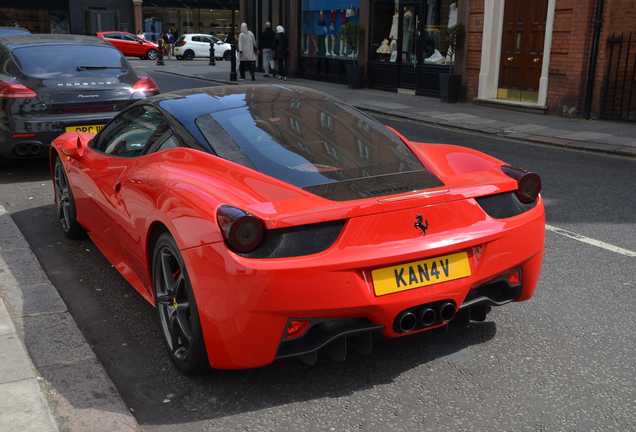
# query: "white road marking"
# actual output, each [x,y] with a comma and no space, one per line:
[590,241]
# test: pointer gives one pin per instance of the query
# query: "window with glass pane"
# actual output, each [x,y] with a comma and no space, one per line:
[440,15]
[331,28]
[412,32]
[384,37]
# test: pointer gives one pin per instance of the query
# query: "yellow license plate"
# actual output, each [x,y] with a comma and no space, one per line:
[417,274]
[85,128]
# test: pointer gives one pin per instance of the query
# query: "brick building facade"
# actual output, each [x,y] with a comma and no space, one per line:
[569,31]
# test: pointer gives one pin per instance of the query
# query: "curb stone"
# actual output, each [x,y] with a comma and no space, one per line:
[57,383]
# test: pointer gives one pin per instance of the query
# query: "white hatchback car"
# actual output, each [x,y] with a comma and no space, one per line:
[189,46]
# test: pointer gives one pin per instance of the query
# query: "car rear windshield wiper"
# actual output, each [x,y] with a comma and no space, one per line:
[84,68]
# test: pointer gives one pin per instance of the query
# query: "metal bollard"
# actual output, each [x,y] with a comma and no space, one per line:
[160,56]
[212,56]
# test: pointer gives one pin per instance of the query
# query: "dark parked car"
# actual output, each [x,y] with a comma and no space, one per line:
[50,84]
[14,31]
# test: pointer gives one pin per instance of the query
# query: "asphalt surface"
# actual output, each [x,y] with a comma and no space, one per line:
[561,362]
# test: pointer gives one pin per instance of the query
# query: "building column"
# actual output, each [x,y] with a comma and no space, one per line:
[293,34]
[138,13]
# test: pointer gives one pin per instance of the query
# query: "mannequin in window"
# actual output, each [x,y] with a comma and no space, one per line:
[344,18]
[452,15]
[322,33]
[308,31]
[393,34]
[408,26]
[331,36]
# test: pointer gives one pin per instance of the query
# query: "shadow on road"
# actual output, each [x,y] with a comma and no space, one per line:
[121,329]
[23,170]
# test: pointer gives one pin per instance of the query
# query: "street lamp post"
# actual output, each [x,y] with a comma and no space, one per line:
[233,44]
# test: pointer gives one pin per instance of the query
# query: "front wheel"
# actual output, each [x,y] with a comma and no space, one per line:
[65,204]
[227,55]
[176,308]
[152,54]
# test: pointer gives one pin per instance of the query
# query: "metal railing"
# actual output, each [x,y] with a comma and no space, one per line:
[619,90]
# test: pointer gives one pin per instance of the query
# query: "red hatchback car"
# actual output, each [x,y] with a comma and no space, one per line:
[131,45]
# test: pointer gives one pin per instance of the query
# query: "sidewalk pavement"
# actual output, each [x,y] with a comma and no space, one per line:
[50,379]
[591,135]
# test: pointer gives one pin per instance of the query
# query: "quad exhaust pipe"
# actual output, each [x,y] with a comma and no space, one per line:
[447,311]
[425,316]
[428,316]
[406,322]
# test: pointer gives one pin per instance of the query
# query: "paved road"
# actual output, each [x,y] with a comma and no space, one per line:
[564,361]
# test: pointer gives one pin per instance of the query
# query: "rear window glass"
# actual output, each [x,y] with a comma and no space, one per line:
[307,142]
[51,61]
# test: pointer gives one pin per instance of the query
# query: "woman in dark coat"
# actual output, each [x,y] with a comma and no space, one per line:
[281,48]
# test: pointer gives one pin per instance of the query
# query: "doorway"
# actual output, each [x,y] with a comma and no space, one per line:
[522,49]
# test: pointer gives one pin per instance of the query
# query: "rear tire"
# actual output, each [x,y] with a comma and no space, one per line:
[188,55]
[65,203]
[152,55]
[227,55]
[176,308]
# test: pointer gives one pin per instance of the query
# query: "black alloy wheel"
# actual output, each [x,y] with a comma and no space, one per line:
[65,204]
[227,55]
[176,308]
[188,55]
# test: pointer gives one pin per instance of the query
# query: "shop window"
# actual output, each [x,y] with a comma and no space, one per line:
[412,32]
[331,28]
[184,20]
[51,20]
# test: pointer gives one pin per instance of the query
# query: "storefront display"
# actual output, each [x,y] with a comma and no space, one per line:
[409,44]
[422,25]
[185,20]
[331,28]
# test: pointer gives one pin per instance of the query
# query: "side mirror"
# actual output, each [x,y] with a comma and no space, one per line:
[75,147]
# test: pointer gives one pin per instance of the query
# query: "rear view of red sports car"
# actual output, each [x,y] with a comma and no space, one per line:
[267,222]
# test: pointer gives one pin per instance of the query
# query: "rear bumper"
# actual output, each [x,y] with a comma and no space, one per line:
[35,133]
[244,305]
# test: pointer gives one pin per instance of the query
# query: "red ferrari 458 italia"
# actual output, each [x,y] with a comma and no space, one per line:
[267,222]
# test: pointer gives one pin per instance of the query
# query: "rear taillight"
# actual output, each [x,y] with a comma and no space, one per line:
[15,90]
[180,43]
[529,183]
[243,233]
[145,85]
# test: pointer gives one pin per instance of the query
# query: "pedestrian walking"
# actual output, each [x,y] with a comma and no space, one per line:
[166,44]
[247,52]
[266,43]
[171,41]
[281,48]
